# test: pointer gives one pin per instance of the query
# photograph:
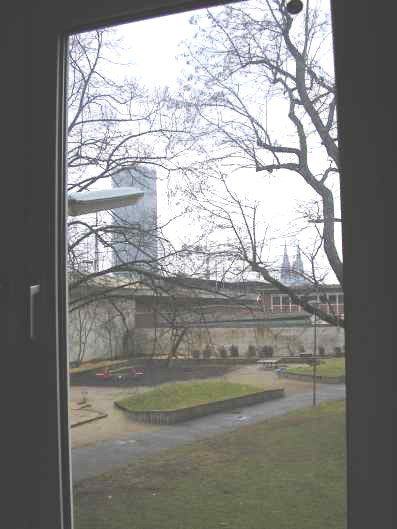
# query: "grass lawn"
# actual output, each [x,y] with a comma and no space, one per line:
[174,396]
[284,473]
[332,367]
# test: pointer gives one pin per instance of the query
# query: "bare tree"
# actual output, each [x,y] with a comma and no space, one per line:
[242,59]
[83,327]
[259,86]
[115,123]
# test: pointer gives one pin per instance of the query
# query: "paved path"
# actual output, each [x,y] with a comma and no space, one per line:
[93,460]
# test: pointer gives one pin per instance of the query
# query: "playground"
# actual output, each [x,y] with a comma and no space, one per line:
[99,397]
[148,374]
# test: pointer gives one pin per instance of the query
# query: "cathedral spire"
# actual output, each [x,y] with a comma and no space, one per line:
[298,270]
[285,275]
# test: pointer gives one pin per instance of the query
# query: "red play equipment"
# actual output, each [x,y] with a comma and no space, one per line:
[105,374]
[133,372]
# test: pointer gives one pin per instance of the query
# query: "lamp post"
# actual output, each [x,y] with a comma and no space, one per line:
[314,356]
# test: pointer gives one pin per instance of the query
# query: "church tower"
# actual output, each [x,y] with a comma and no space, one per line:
[292,274]
[297,268]
[285,275]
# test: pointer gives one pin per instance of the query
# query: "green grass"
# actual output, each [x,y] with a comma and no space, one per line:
[175,396]
[332,367]
[285,473]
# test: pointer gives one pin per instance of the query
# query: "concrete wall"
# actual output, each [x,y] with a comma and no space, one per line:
[284,340]
[98,330]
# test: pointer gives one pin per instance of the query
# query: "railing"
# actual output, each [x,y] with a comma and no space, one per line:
[279,309]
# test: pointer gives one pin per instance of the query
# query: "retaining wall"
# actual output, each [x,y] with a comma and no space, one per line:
[186,414]
[319,378]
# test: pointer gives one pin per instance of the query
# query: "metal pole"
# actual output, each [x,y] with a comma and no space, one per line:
[96,262]
[314,359]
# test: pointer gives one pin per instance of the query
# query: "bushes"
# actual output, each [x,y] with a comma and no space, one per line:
[251,351]
[207,353]
[266,351]
[222,351]
[233,351]
[338,352]
[74,363]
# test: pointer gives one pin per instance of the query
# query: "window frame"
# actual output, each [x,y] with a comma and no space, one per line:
[47,24]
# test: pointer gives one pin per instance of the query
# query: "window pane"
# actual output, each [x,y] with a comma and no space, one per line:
[175,240]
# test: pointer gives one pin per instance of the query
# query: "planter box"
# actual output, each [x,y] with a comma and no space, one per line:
[193,412]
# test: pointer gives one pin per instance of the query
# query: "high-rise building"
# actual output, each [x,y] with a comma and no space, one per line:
[135,240]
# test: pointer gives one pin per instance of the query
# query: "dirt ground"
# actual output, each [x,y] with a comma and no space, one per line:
[118,425]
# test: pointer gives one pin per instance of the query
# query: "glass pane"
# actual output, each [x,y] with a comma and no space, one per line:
[189,229]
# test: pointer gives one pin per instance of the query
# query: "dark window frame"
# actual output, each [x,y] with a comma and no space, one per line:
[370,439]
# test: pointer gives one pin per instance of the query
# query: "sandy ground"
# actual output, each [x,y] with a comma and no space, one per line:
[118,425]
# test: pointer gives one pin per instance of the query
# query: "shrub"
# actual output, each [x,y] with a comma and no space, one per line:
[266,351]
[207,351]
[222,351]
[338,351]
[74,363]
[196,354]
[233,351]
[262,351]
[251,351]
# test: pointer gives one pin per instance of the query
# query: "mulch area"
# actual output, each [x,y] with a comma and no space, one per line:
[153,376]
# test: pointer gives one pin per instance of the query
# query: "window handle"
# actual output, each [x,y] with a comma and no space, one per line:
[33,291]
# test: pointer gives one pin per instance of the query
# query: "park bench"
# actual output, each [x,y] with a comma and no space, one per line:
[268,364]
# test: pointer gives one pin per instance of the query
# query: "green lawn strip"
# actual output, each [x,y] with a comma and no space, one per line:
[183,395]
[284,473]
[333,367]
